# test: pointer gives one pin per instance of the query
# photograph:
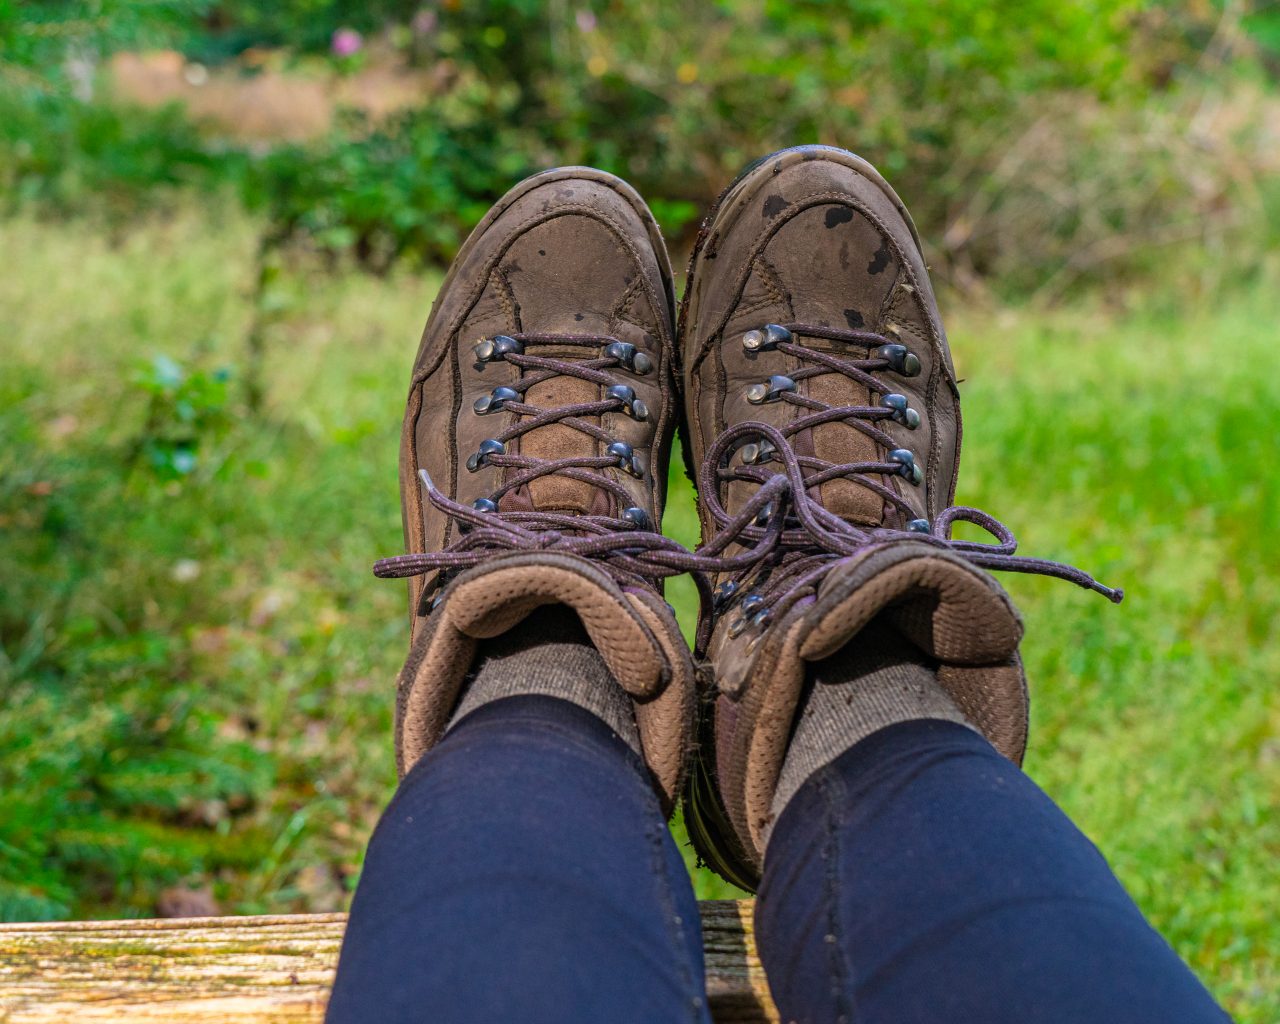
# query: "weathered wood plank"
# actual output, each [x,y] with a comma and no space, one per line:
[264,970]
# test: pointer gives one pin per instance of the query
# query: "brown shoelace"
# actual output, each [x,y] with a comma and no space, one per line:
[789,540]
[795,539]
[627,547]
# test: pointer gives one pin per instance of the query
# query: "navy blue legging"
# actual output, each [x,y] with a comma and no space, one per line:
[524,872]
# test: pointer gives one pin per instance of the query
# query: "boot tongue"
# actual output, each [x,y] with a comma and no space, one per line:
[556,492]
[565,277]
[837,443]
[840,443]
[839,272]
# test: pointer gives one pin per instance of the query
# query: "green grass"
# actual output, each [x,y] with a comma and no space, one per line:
[197,673]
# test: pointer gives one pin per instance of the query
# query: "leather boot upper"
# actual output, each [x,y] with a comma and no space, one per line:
[536,435]
[824,425]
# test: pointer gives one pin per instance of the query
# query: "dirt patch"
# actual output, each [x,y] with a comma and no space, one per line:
[257,100]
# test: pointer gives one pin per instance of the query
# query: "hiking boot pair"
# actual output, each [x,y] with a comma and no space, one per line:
[814,389]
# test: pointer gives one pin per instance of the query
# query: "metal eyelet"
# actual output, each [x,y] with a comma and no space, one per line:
[778,385]
[764,515]
[757,452]
[901,359]
[489,349]
[919,526]
[751,605]
[481,455]
[436,589]
[485,505]
[629,356]
[737,627]
[723,595]
[627,459]
[770,337]
[626,394]
[495,400]
[637,517]
[907,461]
[902,413]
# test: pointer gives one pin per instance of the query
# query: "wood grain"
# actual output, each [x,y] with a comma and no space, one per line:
[237,970]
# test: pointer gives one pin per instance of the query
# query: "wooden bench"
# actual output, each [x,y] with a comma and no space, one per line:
[261,970]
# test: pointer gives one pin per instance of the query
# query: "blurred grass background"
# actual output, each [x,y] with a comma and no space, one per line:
[223,225]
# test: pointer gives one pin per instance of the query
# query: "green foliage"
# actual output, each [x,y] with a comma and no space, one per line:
[107,762]
[198,675]
[307,25]
[187,412]
[104,811]
[61,155]
[411,187]
[676,99]
[170,651]
[62,148]
[48,43]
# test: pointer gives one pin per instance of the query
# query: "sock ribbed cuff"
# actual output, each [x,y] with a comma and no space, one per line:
[549,654]
[878,679]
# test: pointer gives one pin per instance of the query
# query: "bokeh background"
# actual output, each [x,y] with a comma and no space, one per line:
[222,223]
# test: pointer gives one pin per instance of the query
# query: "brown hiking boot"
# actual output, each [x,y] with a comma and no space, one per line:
[534,455]
[823,412]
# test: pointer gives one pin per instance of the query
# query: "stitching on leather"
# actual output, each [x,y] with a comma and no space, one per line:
[496,316]
[935,434]
[891,296]
[410,439]
[448,341]
[623,306]
[886,307]
[773,281]
[753,307]
[722,386]
[798,206]
[519,229]
[506,297]
[937,373]
[792,156]
[456,370]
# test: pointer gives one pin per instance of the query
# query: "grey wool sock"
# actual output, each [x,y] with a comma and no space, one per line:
[877,680]
[549,654]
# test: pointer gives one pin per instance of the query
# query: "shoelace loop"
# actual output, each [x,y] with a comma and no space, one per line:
[796,539]
[627,547]
[789,541]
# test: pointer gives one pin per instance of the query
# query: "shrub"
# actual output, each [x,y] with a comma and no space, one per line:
[1053,146]
[62,155]
[1019,129]
[673,97]
[187,411]
[411,187]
